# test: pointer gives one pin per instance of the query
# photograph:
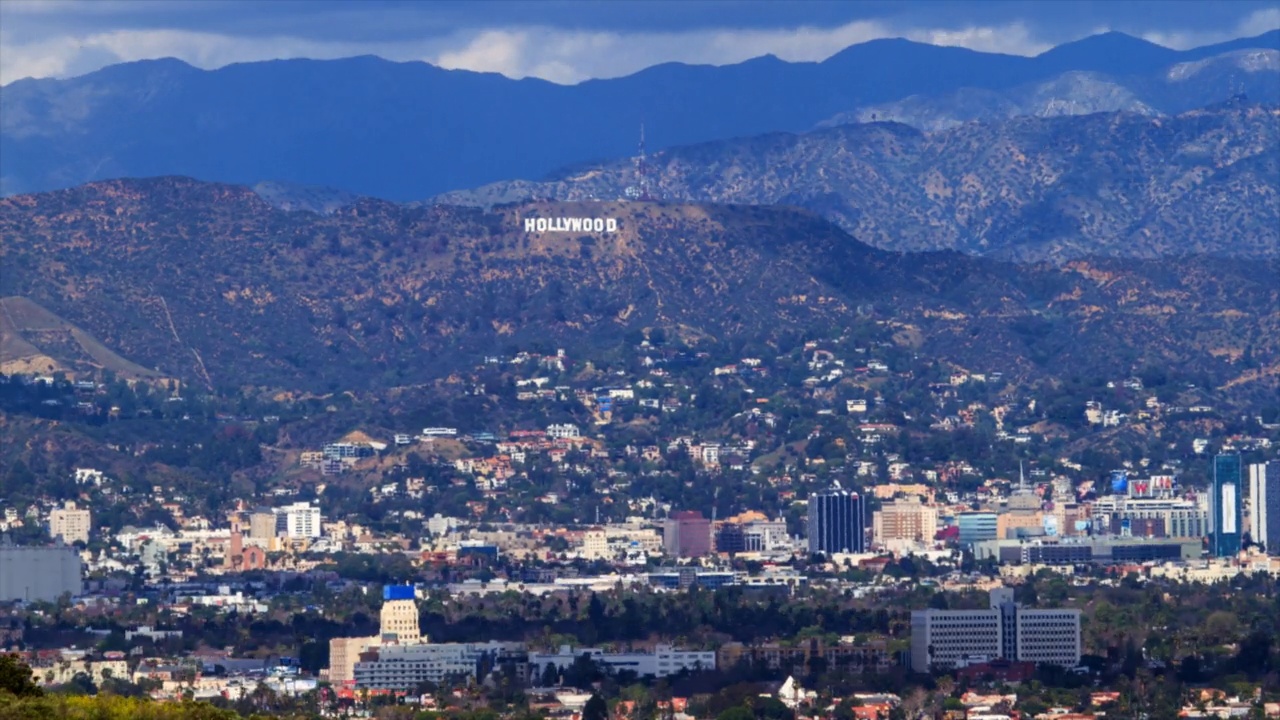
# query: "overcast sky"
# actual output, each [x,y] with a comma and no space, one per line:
[569,41]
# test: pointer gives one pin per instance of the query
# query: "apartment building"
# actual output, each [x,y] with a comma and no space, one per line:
[70,523]
[907,521]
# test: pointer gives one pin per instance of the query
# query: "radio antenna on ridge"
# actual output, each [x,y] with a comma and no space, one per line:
[642,169]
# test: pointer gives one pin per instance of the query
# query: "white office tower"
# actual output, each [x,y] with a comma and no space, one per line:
[946,639]
[1264,505]
[299,520]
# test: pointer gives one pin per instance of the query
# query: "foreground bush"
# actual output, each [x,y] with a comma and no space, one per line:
[104,707]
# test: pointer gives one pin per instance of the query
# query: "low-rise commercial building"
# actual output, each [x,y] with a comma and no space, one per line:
[663,661]
[405,667]
[1079,551]
[685,577]
[799,659]
[947,639]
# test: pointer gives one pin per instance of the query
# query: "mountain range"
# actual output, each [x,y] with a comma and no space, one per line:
[211,284]
[1025,189]
[1183,86]
[408,131]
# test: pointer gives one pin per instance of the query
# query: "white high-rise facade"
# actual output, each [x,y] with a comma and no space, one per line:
[1264,505]
[299,520]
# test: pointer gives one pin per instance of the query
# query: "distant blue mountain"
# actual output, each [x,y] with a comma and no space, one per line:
[407,131]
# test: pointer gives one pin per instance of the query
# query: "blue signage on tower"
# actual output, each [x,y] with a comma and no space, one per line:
[397,592]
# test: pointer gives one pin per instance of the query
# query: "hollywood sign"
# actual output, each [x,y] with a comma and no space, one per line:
[571,225]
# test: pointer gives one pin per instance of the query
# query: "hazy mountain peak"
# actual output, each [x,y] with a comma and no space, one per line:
[1108,52]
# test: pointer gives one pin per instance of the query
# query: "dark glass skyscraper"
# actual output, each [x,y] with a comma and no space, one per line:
[837,522]
[1225,504]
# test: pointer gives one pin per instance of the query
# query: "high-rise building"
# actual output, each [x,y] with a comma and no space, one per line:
[70,523]
[398,628]
[904,521]
[399,616]
[262,524]
[1264,505]
[686,534]
[299,520]
[1225,504]
[837,522]
[945,639]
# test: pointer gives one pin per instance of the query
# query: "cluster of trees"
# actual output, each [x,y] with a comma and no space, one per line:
[22,699]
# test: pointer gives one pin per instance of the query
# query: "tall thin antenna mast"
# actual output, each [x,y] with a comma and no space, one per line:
[642,168]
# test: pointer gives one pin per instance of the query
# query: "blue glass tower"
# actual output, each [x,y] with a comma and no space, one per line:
[1225,504]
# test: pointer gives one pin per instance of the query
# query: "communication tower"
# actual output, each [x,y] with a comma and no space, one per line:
[642,190]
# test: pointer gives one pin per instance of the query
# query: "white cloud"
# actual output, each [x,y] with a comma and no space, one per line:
[79,7]
[555,54]
[1254,24]
[1012,39]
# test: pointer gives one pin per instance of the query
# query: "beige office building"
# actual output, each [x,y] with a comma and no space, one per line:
[399,625]
[70,523]
[262,525]
[595,545]
[343,655]
[400,621]
[1019,522]
[904,522]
